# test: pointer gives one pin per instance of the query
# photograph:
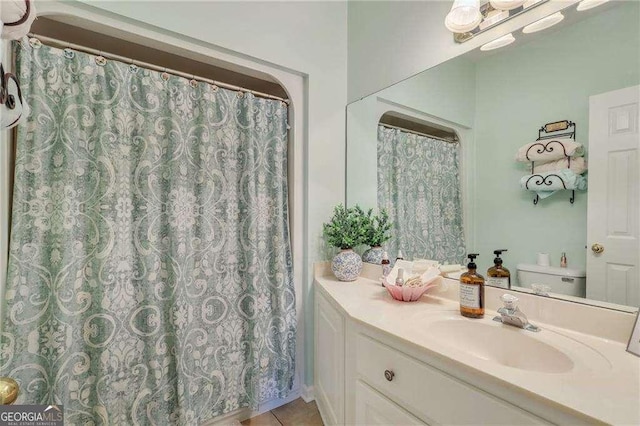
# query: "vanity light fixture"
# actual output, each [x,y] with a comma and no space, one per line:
[469,18]
[590,4]
[464,16]
[498,43]
[506,4]
[492,18]
[544,23]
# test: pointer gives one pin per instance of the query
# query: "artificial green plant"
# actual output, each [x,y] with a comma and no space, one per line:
[378,227]
[347,228]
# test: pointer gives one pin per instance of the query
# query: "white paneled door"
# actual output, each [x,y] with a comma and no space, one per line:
[613,252]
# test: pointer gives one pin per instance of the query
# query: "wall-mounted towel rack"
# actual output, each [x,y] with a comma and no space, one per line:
[550,132]
[557,126]
[548,180]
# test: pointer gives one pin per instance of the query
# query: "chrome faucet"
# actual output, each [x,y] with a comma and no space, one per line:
[512,315]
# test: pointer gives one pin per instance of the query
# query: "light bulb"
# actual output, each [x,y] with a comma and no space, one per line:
[590,4]
[464,16]
[544,23]
[506,4]
[499,42]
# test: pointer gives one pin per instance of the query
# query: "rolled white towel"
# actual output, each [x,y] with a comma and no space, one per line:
[17,16]
[550,150]
[450,268]
[421,265]
[578,165]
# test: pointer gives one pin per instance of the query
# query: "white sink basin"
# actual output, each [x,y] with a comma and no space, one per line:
[510,346]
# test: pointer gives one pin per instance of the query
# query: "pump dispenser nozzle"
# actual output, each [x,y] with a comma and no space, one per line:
[472,257]
[497,260]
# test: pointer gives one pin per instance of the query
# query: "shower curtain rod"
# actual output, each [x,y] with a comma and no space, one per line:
[389,126]
[63,44]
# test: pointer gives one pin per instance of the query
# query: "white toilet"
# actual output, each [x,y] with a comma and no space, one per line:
[572,282]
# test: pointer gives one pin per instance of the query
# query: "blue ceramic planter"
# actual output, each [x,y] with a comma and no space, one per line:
[373,255]
[346,265]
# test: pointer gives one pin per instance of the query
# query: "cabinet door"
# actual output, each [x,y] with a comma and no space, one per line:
[329,361]
[374,409]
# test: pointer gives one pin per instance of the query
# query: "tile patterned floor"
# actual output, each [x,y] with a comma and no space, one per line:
[295,413]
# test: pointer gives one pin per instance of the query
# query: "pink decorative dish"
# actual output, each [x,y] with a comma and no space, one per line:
[430,280]
[409,294]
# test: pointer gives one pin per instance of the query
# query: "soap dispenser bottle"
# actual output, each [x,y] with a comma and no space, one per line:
[498,275]
[472,291]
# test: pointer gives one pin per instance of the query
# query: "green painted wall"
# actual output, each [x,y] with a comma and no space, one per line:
[446,91]
[517,91]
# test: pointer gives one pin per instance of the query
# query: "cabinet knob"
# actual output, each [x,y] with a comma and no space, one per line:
[388,374]
[597,248]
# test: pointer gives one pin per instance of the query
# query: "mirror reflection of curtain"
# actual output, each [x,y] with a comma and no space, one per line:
[150,271]
[419,185]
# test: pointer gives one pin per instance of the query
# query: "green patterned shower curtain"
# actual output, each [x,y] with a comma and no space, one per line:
[150,269]
[419,185]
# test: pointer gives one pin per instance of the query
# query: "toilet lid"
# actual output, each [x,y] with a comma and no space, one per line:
[552,270]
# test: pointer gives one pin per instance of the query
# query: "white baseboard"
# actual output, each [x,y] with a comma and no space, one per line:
[321,410]
[306,393]
[246,413]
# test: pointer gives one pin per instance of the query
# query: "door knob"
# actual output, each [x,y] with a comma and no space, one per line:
[597,248]
[8,390]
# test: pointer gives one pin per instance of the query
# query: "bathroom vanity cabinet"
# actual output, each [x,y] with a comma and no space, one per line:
[367,373]
[422,390]
[330,360]
[364,378]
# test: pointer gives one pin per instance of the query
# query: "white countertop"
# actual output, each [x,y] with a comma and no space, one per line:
[604,384]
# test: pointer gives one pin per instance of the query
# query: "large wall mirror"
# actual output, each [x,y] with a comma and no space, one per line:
[446,160]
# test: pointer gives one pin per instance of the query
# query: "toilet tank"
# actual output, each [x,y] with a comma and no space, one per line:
[569,281]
